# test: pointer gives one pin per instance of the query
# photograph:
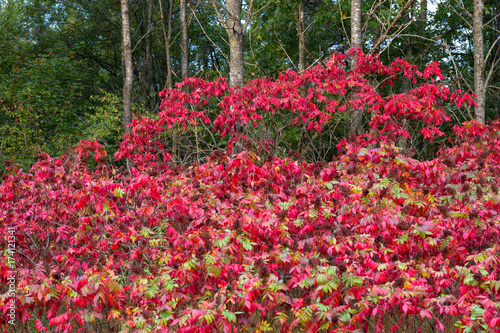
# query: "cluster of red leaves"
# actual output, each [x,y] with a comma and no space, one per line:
[216,106]
[240,242]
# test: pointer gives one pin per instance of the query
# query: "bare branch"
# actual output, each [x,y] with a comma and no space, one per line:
[291,61]
[248,16]
[220,18]
[384,36]
[208,37]
[494,63]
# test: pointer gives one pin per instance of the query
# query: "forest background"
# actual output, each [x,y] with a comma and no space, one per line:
[62,62]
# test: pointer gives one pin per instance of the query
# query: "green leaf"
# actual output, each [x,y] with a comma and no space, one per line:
[119,192]
[247,245]
[229,315]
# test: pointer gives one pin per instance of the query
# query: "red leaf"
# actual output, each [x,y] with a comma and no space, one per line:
[39,326]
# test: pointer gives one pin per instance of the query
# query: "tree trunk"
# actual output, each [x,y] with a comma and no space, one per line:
[148,82]
[479,82]
[356,125]
[167,34]
[376,35]
[128,74]
[236,33]
[355,23]
[184,40]
[405,87]
[184,72]
[405,82]
[300,20]
[169,38]
[236,38]
[127,66]
[236,55]
[302,37]
[302,146]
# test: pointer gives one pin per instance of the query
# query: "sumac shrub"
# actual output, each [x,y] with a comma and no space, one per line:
[242,242]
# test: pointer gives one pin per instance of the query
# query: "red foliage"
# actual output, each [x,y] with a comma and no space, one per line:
[325,246]
[214,103]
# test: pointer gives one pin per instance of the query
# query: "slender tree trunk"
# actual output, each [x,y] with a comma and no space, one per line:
[128,73]
[168,42]
[148,82]
[479,81]
[376,35]
[405,87]
[355,23]
[167,34]
[302,37]
[184,41]
[356,125]
[236,54]
[127,66]
[236,38]
[302,146]
[405,82]
[236,34]
[184,68]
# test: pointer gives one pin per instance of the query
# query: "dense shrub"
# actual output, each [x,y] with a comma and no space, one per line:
[244,243]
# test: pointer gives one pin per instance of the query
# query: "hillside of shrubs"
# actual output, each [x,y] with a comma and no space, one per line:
[363,234]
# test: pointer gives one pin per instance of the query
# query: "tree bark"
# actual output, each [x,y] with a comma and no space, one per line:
[127,66]
[405,82]
[184,40]
[355,23]
[128,73]
[356,124]
[376,35]
[302,146]
[405,87]
[236,38]
[236,33]
[479,81]
[167,34]
[302,37]
[148,88]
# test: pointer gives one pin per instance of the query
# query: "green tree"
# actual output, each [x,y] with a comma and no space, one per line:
[42,90]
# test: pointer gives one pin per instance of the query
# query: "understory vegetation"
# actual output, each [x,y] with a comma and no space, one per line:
[254,237]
